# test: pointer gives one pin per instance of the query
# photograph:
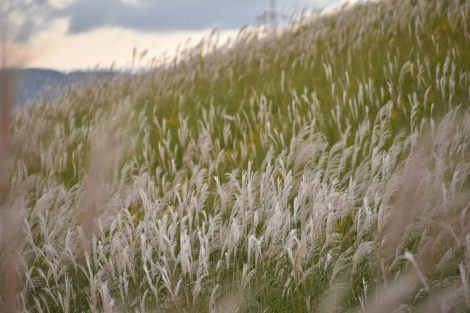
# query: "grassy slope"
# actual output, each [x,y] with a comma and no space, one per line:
[270,175]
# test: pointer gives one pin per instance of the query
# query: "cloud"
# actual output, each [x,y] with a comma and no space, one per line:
[20,19]
[25,18]
[168,15]
[162,15]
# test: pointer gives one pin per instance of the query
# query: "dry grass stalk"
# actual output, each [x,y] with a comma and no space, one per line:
[10,283]
[105,153]
[420,201]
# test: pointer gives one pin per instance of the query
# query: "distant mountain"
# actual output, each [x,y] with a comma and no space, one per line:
[34,82]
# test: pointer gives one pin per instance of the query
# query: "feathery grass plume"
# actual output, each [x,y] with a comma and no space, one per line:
[405,209]
[228,303]
[390,297]
[108,143]
[442,217]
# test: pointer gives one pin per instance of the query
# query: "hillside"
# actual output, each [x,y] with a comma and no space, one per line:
[34,83]
[324,168]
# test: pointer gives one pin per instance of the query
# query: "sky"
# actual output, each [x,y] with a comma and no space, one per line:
[68,35]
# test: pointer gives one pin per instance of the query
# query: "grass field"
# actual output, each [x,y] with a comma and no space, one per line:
[322,168]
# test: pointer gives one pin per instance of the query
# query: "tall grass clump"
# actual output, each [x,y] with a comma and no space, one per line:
[324,167]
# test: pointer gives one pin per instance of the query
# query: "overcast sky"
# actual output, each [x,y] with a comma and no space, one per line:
[77,34]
